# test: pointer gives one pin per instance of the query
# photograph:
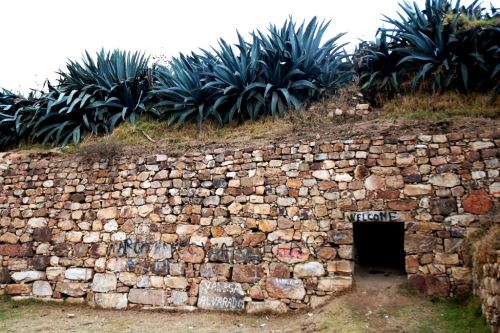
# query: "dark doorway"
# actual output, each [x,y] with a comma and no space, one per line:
[379,246]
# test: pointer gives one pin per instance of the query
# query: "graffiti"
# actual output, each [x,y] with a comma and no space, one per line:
[221,296]
[233,255]
[374,216]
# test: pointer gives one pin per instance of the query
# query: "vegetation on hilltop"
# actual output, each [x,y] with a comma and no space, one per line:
[445,47]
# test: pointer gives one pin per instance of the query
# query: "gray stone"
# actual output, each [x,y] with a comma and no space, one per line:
[160,251]
[312,268]
[42,288]
[28,276]
[83,274]
[111,300]
[179,297]
[335,284]
[273,306]
[228,296]
[103,283]
[285,288]
[147,297]
[445,180]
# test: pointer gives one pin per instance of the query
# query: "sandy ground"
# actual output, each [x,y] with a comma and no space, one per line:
[378,303]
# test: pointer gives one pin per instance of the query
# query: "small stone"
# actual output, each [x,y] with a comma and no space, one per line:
[361,172]
[179,297]
[128,278]
[312,268]
[9,238]
[321,174]
[417,190]
[374,183]
[445,180]
[273,306]
[108,213]
[176,282]
[83,274]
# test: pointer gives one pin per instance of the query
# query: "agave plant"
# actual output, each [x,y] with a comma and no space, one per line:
[440,47]
[13,118]
[376,66]
[92,97]
[181,89]
[295,62]
[237,79]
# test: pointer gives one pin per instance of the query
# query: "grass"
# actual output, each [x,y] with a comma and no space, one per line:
[441,106]
[457,317]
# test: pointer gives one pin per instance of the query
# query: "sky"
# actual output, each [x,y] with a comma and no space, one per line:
[38,37]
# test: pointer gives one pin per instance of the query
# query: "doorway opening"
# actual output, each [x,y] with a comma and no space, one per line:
[379,247]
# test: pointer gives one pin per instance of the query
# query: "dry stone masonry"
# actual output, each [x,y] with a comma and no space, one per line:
[267,229]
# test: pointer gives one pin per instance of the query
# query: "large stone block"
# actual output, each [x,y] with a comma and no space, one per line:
[268,306]
[227,296]
[312,268]
[336,284]
[430,285]
[111,300]
[73,289]
[42,288]
[445,180]
[285,288]
[147,297]
[419,243]
[78,273]
[104,282]
[28,276]
[291,253]
[248,273]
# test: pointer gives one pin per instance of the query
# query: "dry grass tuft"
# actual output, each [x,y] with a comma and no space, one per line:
[441,106]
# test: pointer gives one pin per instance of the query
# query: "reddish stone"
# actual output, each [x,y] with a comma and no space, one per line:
[253,239]
[42,235]
[98,250]
[192,254]
[388,194]
[249,273]
[430,285]
[18,289]
[477,202]
[24,250]
[326,253]
[403,204]
[279,270]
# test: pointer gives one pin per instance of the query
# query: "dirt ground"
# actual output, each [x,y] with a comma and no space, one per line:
[378,303]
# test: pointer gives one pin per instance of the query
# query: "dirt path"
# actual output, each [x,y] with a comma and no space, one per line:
[379,303]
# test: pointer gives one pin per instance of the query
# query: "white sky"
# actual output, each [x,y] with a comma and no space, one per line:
[37,37]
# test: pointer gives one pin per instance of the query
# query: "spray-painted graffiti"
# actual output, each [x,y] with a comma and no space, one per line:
[227,296]
[374,216]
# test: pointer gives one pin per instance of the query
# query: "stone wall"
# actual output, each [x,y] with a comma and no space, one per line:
[488,290]
[254,229]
